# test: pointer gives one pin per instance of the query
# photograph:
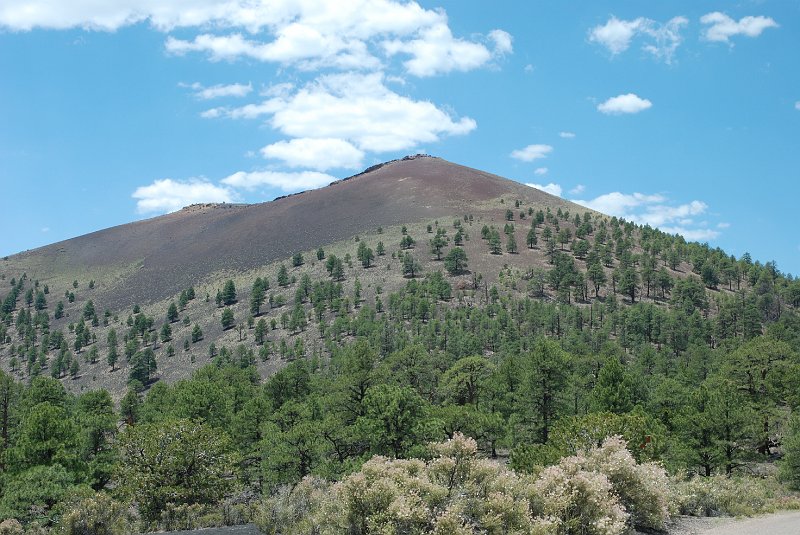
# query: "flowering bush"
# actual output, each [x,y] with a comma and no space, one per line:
[581,501]
[736,496]
[642,488]
[457,493]
[99,515]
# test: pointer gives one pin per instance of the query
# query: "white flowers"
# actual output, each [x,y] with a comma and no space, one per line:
[596,493]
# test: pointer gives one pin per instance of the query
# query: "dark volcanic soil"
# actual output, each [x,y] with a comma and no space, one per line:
[163,255]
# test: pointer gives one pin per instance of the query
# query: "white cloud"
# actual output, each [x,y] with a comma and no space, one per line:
[723,225]
[620,204]
[45,229]
[315,153]
[361,18]
[721,27]
[436,51]
[532,152]
[628,103]
[541,171]
[566,135]
[656,211]
[358,108]
[220,90]
[288,182]
[616,34]
[301,46]
[502,41]
[169,195]
[307,34]
[551,188]
[664,38]
[577,190]
[797,105]
[693,234]
[250,111]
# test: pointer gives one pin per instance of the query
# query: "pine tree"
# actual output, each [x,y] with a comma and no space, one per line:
[456,261]
[511,243]
[257,296]
[229,293]
[113,356]
[283,276]
[227,319]
[197,334]
[172,312]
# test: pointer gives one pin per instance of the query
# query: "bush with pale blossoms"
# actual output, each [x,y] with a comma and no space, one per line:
[643,489]
[581,501]
[735,496]
[457,493]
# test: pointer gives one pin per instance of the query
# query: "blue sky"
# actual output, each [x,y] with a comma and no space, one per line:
[683,115]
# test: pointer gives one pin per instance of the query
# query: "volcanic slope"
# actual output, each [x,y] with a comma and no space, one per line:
[62,302]
[150,260]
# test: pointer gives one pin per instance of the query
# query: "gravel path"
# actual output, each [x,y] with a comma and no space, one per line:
[785,523]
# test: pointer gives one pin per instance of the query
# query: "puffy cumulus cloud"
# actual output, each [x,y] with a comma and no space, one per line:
[169,195]
[362,18]
[721,27]
[622,104]
[305,33]
[219,91]
[566,135]
[656,211]
[551,188]
[541,171]
[288,182]
[315,153]
[436,51]
[616,34]
[358,108]
[662,39]
[532,152]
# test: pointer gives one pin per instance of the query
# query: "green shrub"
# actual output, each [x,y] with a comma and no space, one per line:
[11,526]
[97,515]
[735,496]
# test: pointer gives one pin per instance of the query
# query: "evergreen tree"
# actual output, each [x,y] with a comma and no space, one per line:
[283,276]
[456,261]
[197,334]
[531,238]
[410,266]
[172,312]
[229,293]
[113,355]
[227,319]
[511,243]
[257,296]
[495,246]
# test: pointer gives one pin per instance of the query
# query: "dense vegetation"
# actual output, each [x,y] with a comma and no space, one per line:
[691,355]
